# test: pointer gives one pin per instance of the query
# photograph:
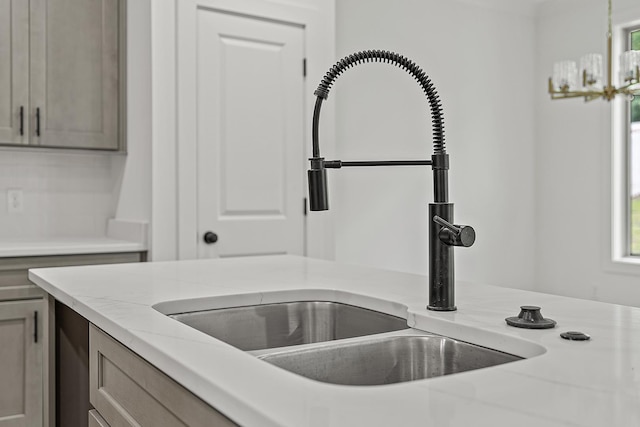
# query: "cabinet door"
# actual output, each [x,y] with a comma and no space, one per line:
[14,71]
[75,73]
[96,420]
[21,362]
[128,391]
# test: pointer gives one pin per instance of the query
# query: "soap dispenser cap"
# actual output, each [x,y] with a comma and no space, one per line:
[530,318]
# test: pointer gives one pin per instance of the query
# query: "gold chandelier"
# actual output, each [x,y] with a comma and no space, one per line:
[568,82]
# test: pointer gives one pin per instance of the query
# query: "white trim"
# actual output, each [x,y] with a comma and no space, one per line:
[186,115]
[318,19]
[163,235]
[128,230]
[618,260]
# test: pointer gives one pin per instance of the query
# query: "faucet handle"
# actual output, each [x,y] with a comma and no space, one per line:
[455,235]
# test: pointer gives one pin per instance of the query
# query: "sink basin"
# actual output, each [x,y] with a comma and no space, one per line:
[339,343]
[267,326]
[387,360]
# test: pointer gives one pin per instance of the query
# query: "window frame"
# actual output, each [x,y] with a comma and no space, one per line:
[619,258]
[629,165]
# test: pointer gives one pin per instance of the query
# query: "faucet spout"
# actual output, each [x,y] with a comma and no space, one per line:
[317,176]
[442,238]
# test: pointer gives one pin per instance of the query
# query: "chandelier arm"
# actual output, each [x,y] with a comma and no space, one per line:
[575,94]
[628,86]
[563,96]
[578,93]
[590,98]
[632,92]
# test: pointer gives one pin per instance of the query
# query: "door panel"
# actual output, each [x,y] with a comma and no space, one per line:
[14,70]
[74,73]
[249,135]
[245,122]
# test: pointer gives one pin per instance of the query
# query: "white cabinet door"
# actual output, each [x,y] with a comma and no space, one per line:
[21,362]
[74,73]
[14,71]
[250,115]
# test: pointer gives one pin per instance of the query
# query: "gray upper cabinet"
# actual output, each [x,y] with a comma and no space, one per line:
[70,72]
[74,73]
[14,71]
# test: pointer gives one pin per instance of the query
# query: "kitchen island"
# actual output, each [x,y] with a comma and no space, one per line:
[560,382]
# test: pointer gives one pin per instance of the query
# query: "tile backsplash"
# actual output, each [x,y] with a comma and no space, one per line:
[65,194]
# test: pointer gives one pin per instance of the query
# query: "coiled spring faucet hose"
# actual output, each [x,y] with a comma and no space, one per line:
[322,92]
[318,198]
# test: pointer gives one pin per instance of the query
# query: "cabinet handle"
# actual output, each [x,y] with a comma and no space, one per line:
[35,326]
[38,121]
[21,120]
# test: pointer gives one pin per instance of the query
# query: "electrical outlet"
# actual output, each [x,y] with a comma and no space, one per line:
[15,201]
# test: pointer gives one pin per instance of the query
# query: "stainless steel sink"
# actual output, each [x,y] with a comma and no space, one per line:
[387,360]
[340,343]
[285,324]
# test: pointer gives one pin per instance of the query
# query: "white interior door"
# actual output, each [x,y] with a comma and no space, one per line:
[250,138]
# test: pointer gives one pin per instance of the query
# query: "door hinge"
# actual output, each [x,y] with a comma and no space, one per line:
[304,206]
[304,67]
[35,326]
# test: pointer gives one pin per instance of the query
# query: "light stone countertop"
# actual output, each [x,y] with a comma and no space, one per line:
[65,246]
[562,383]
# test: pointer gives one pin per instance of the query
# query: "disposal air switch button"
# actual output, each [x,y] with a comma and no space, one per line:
[575,336]
[530,317]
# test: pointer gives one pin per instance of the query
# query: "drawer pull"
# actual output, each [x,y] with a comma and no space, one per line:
[35,326]
[37,121]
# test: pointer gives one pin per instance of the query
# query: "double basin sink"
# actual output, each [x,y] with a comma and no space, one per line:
[340,343]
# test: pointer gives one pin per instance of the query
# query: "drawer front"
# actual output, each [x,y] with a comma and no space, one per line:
[12,293]
[14,283]
[14,275]
[128,391]
[95,420]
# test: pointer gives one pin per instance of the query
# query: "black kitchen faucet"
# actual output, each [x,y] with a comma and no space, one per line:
[443,235]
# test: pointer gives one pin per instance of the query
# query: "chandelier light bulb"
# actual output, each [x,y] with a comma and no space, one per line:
[591,72]
[565,75]
[629,64]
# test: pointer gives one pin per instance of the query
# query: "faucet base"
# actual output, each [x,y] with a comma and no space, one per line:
[441,272]
[432,308]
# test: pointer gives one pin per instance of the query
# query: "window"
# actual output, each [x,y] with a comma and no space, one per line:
[634,158]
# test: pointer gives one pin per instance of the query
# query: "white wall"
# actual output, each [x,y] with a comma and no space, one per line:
[479,58]
[572,162]
[74,193]
[66,194]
